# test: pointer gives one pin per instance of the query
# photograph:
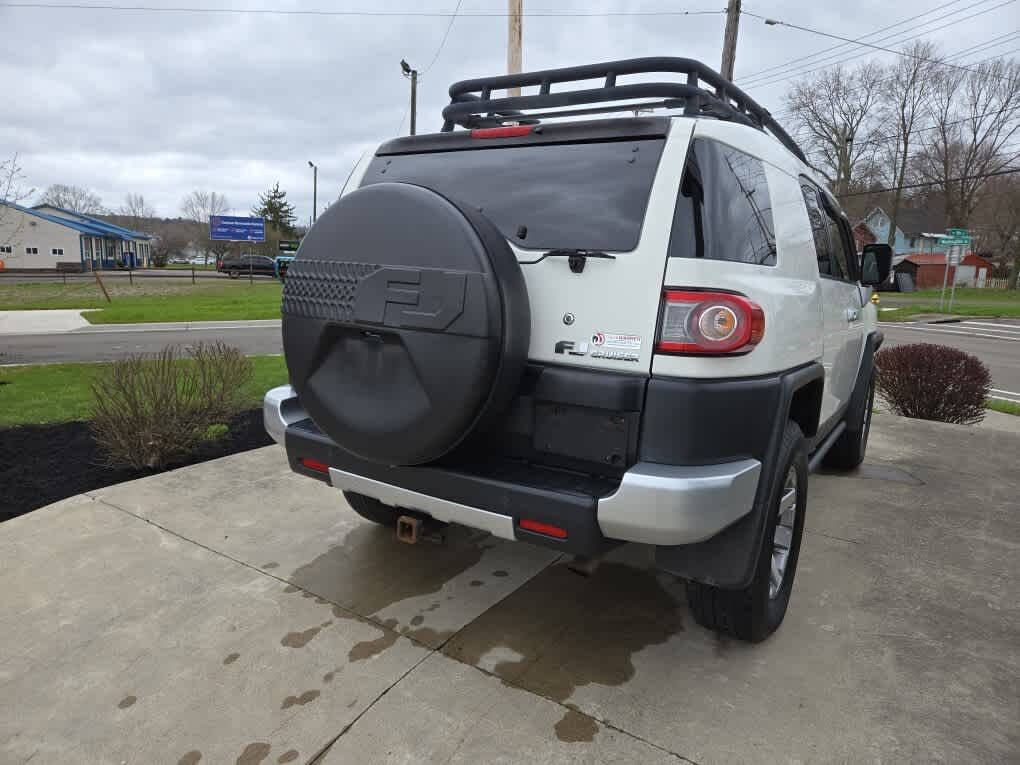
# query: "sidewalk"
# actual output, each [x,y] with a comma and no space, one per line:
[234,612]
[61,321]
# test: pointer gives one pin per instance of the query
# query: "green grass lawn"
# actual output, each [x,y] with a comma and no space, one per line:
[1007,407]
[46,393]
[151,299]
[968,302]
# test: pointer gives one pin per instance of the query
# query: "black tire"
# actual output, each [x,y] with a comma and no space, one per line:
[372,509]
[752,614]
[233,274]
[848,451]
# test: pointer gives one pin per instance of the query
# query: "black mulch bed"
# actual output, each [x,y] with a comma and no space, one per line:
[40,464]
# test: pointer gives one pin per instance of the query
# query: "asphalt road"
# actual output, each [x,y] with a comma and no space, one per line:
[995,341]
[106,343]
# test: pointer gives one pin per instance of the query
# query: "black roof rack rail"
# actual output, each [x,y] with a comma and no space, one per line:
[472,105]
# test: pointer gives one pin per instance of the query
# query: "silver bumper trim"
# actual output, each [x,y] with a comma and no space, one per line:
[678,505]
[440,509]
[281,408]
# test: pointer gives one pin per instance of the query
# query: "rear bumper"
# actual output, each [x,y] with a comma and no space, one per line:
[652,503]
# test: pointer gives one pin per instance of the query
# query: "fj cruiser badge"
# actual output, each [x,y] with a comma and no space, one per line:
[566,346]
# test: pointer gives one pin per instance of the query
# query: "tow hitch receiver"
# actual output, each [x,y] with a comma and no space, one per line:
[409,529]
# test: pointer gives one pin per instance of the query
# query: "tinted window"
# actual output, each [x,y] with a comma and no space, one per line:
[723,211]
[589,196]
[822,227]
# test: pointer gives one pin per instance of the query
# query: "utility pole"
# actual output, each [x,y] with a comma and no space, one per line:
[515,30]
[729,50]
[315,190]
[413,74]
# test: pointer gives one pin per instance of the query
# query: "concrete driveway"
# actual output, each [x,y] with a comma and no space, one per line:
[232,612]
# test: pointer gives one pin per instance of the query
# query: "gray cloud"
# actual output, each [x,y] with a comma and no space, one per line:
[163,103]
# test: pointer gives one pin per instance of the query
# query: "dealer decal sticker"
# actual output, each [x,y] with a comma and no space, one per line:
[615,347]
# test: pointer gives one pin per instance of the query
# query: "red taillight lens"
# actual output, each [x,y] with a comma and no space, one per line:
[709,323]
[502,132]
[543,528]
[318,467]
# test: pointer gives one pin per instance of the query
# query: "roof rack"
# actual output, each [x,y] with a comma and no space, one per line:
[472,105]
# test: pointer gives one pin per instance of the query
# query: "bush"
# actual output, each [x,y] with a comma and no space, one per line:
[933,382]
[151,410]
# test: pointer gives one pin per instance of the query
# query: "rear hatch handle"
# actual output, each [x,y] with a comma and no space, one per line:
[576,259]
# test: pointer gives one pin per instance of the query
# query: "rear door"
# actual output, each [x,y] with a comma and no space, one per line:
[842,314]
[611,197]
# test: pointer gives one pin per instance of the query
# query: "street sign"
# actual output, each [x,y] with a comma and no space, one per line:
[231,228]
[955,236]
[289,245]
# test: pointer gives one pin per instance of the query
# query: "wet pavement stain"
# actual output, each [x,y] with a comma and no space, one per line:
[254,753]
[571,631]
[500,573]
[127,701]
[366,649]
[305,698]
[328,677]
[190,758]
[371,569]
[477,582]
[270,566]
[299,639]
[417,620]
[289,756]
[231,658]
[575,727]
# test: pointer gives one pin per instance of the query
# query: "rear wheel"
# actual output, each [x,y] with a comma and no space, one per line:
[848,451]
[754,613]
[372,509]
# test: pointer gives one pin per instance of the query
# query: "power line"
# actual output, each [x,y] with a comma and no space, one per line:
[320,12]
[769,80]
[445,35]
[757,75]
[926,184]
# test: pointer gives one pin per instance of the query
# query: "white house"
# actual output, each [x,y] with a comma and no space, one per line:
[47,237]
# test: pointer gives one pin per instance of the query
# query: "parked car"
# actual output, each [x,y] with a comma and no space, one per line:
[584,333]
[234,266]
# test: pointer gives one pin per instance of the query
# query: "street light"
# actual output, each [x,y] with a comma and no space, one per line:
[413,74]
[315,189]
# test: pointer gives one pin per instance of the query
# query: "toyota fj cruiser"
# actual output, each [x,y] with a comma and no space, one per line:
[582,333]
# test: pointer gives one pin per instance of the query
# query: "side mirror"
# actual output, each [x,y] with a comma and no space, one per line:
[876,261]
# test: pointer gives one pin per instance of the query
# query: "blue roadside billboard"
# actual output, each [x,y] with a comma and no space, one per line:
[233,228]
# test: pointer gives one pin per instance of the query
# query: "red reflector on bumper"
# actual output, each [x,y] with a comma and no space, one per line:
[318,467]
[502,132]
[543,528]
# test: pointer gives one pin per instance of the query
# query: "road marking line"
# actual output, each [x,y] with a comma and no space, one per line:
[965,334]
[1009,400]
[1014,331]
[990,324]
[1007,392]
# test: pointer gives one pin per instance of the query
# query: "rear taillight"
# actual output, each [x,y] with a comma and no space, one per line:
[318,467]
[709,323]
[502,132]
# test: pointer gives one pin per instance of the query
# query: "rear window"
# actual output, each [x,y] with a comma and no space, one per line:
[723,210]
[587,196]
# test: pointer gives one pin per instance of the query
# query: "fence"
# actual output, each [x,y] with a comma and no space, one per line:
[130,275]
[996,284]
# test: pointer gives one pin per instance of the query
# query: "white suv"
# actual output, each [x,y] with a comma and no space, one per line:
[589,332]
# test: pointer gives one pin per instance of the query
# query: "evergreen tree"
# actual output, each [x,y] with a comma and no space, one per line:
[278,212]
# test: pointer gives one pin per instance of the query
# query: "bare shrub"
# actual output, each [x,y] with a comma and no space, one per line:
[149,411]
[933,382]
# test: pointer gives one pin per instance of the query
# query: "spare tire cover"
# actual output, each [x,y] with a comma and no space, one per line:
[405,323]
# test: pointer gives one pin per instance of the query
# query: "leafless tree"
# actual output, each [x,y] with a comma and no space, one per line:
[836,109]
[170,241]
[12,189]
[198,206]
[903,97]
[136,211]
[73,198]
[996,222]
[975,113]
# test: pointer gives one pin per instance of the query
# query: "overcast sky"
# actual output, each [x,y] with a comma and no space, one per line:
[161,103]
